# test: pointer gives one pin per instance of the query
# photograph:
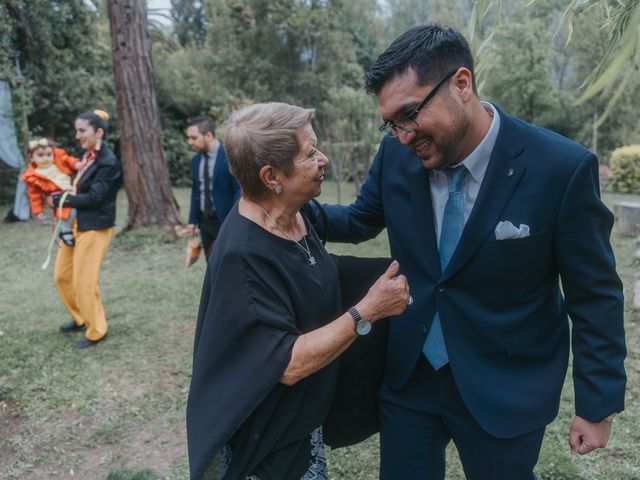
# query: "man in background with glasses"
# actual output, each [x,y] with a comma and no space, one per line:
[486,215]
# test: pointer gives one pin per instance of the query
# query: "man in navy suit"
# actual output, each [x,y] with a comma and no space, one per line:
[486,215]
[214,190]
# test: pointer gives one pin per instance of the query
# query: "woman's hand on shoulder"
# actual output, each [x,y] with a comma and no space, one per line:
[387,297]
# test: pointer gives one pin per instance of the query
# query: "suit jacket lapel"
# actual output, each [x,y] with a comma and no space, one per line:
[418,178]
[217,166]
[504,172]
[89,171]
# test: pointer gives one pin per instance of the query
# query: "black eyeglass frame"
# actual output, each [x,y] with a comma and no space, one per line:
[390,125]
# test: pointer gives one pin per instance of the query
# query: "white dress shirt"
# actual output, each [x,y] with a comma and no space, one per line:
[476,162]
[213,153]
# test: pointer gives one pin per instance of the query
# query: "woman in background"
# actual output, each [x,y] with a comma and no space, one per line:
[77,267]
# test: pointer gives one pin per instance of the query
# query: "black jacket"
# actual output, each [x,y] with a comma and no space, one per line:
[353,416]
[95,199]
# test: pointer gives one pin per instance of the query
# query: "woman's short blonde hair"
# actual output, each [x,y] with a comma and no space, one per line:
[263,134]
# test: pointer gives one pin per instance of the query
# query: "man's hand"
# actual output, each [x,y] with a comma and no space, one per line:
[191,229]
[586,436]
[49,201]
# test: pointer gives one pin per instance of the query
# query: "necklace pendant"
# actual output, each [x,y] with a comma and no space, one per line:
[312,261]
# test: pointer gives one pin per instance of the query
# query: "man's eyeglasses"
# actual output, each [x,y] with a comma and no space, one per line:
[408,123]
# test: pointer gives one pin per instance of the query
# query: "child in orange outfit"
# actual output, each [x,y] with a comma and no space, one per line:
[49,171]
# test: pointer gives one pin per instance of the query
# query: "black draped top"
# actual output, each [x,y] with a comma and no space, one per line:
[260,293]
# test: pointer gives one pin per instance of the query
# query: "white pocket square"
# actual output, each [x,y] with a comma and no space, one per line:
[508,231]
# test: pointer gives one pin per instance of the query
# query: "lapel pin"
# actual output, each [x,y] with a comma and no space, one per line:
[510,172]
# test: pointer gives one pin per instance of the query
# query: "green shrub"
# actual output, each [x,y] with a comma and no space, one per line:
[625,165]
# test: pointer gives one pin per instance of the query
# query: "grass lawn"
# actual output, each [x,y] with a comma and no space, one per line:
[116,411]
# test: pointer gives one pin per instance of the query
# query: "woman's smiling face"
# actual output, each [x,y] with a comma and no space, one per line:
[86,134]
[305,181]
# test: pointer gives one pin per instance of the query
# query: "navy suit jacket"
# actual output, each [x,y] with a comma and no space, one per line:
[224,187]
[504,317]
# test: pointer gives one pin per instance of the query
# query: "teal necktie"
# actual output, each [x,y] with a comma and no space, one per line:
[452,225]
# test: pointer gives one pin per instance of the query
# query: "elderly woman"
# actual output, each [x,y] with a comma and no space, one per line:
[270,322]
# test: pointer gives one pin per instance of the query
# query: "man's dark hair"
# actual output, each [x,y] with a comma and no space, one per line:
[431,50]
[204,124]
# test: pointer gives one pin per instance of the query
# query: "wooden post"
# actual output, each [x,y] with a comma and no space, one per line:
[627,217]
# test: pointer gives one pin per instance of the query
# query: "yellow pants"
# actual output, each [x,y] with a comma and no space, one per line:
[77,273]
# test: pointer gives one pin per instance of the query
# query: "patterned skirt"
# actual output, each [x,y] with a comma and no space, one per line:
[317,468]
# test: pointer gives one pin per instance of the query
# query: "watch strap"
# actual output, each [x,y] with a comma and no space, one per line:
[355,314]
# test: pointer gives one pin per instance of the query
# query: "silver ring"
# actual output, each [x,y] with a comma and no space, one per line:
[410,301]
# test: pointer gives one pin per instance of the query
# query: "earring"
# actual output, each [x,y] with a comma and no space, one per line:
[278,189]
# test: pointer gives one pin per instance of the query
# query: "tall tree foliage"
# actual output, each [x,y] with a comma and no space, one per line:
[281,49]
[595,64]
[226,53]
[520,78]
[620,60]
[278,50]
[189,21]
[404,14]
[363,21]
[62,49]
[600,123]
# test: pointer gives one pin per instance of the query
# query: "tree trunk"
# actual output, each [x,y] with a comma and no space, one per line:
[146,179]
[627,217]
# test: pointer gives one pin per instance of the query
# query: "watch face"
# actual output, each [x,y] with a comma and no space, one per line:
[363,327]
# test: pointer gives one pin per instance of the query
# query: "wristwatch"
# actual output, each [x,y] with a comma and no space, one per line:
[363,326]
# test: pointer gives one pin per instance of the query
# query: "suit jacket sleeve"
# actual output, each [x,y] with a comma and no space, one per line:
[593,294]
[194,210]
[364,218]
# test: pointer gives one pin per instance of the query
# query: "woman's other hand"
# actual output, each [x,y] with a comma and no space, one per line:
[49,201]
[388,297]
